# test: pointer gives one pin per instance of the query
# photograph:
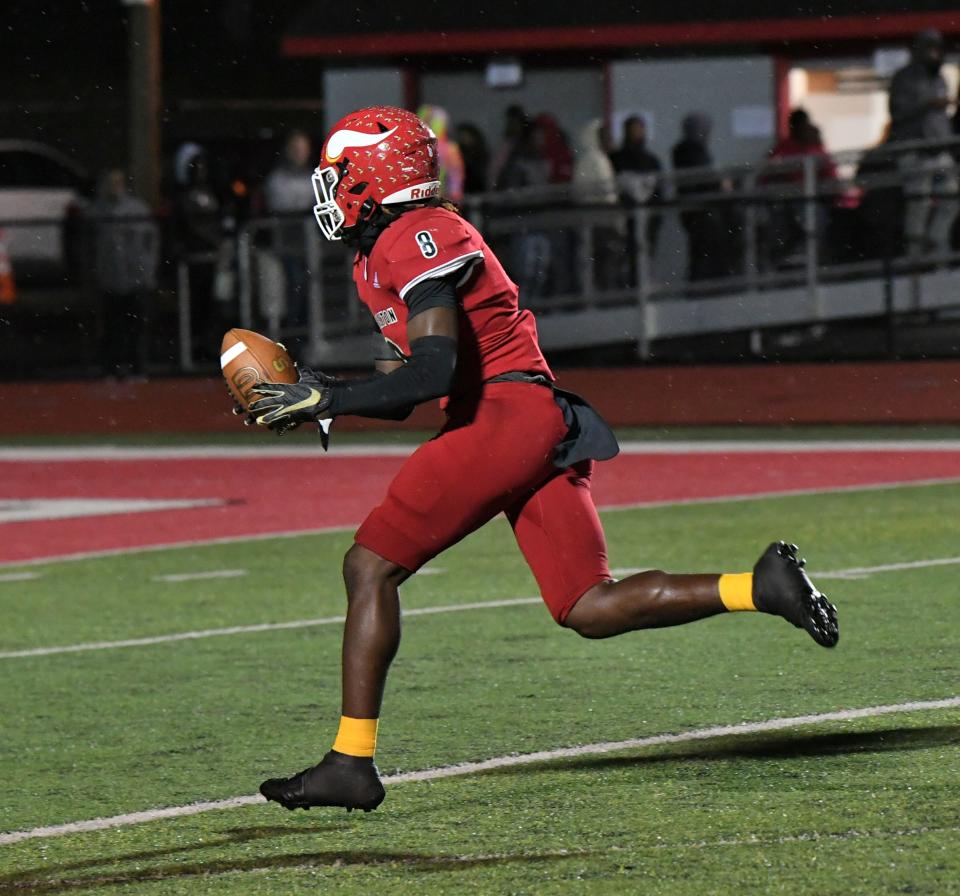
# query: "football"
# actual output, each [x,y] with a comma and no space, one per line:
[247,358]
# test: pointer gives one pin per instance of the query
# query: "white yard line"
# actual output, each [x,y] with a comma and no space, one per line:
[859,572]
[249,629]
[20,576]
[326,530]
[805,837]
[201,576]
[709,446]
[26,510]
[175,545]
[786,493]
[512,761]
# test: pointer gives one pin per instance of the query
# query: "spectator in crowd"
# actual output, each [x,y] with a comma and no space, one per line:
[287,187]
[918,111]
[803,139]
[632,155]
[638,179]
[126,251]
[199,235]
[595,183]
[476,157]
[787,230]
[288,194]
[451,161]
[531,249]
[515,128]
[526,166]
[709,244]
[552,146]
[881,211]
[594,177]
[554,149]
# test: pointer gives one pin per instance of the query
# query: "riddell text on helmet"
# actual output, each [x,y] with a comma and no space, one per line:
[425,192]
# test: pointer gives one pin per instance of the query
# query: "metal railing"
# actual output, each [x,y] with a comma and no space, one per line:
[797,240]
[791,241]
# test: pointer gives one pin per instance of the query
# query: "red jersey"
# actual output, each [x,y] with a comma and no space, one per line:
[495,335]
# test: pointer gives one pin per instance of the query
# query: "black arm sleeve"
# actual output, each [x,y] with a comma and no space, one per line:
[428,374]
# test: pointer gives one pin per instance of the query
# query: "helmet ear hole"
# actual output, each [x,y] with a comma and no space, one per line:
[357,189]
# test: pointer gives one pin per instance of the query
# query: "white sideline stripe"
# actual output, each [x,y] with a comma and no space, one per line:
[247,629]
[238,348]
[265,451]
[472,768]
[197,576]
[327,530]
[20,576]
[719,446]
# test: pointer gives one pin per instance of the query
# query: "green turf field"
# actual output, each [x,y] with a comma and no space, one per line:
[861,806]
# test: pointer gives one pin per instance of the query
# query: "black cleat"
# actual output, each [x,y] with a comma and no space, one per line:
[781,587]
[351,782]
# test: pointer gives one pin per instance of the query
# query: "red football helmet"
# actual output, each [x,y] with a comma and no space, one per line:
[373,157]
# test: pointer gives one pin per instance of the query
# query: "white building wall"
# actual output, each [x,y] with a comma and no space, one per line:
[737,93]
[572,95]
[347,89]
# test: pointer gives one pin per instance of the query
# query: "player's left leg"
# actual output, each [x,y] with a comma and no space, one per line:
[560,535]
[347,775]
[449,487]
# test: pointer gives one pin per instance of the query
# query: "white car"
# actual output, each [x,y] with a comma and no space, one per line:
[39,188]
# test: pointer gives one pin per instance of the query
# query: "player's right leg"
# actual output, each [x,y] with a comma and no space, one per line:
[560,535]
[778,585]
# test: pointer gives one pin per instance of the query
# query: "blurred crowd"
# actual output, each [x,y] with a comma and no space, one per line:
[915,215]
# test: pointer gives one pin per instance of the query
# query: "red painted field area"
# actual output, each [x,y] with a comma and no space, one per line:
[276,494]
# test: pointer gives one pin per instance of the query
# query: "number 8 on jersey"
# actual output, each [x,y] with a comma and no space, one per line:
[425,241]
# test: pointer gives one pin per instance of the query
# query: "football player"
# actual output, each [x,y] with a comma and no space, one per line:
[513,443]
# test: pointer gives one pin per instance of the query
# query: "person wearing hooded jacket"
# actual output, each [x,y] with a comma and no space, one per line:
[595,183]
[594,177]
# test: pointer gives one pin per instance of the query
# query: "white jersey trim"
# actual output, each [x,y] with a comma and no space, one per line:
[448,267]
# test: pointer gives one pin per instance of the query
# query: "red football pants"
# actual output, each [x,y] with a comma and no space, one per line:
[493,456]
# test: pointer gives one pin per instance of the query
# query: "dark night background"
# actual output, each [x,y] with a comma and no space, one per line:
[63,65]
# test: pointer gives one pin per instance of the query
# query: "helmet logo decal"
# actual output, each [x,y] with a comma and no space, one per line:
[340,140]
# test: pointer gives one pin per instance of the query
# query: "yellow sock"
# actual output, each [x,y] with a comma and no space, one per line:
[356,737]
[736,591]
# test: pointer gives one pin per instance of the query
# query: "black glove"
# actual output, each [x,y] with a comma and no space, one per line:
[285,406]
[312,377]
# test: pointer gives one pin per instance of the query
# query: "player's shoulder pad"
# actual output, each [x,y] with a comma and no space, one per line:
[428,232]
[427,243]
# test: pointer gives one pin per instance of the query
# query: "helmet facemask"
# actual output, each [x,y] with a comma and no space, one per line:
[329,215]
